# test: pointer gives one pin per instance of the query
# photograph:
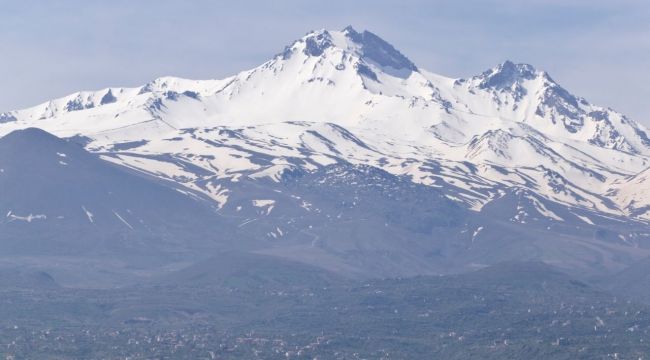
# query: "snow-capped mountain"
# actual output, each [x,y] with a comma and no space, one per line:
[509,143]
[348,95]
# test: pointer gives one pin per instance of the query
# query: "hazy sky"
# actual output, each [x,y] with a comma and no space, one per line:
[598,49]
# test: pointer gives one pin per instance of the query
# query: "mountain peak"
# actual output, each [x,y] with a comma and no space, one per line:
[349,28]
[506,74]
[365,45]
[6,117]
[29,134]
[376,49]
[316,42]
[34,143]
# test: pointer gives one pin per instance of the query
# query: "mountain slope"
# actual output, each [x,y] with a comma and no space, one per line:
[60,202]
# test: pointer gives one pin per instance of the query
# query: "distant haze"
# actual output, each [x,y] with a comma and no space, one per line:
[597,49]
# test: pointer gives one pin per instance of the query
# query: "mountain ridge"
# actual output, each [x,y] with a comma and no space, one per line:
[303,108]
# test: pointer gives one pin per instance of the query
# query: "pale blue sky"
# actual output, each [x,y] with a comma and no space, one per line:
[597,49]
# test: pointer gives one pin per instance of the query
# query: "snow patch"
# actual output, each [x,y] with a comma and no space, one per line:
[268,205]
[28,218]
[544,211]
[90,215]
[584,218]
[122,220]
[476,232]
